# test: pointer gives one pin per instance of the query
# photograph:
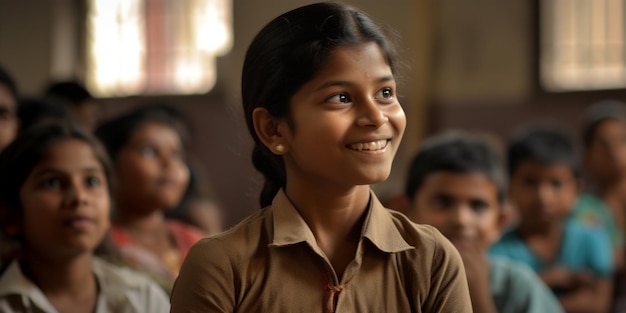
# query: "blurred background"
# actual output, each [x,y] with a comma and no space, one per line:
[482,65]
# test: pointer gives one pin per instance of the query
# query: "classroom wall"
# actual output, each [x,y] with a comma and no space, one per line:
[467,64]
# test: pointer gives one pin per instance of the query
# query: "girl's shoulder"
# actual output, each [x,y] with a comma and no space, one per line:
[123,289]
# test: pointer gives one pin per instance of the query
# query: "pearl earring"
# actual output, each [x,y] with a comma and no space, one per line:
[280,148]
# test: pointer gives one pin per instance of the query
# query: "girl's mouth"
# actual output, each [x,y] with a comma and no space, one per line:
[369,146]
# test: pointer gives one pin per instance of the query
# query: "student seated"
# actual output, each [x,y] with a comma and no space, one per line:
[152,176]
[456,183]
[55,201]
[575,261]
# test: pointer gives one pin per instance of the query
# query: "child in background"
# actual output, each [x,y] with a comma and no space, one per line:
[55,201]
[152,176]
[603,204]
[575,261]
[320,101]
[456,183]
[84,109]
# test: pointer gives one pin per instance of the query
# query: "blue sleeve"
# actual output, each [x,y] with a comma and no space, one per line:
[540,297]
[601,252]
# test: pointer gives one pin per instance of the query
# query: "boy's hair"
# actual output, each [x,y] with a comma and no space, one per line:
[544,145]
[456,152]
[33,111]
[599,112]
[70,92]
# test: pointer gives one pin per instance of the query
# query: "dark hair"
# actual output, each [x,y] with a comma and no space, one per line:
[457,152]
[116,132]
[25,152]
[599,112]
[33,111]
[7,80]
[285,55]
[544,145]
[70,92]
[184,125]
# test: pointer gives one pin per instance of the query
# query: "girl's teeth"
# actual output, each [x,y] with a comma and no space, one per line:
[374,145]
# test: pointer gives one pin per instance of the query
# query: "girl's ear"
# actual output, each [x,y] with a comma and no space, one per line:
[270,130]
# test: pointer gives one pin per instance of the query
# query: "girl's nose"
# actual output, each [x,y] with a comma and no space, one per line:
[372,115]
[75,195]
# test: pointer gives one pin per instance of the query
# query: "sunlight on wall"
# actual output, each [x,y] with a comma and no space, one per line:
[155,46]
[583,44]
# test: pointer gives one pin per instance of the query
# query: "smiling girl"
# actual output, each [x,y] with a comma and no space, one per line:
[55,201]
[319,97]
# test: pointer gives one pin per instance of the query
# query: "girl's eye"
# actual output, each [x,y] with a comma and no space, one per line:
[52,183]
[339,98]
[92,181]
[148,152]
[385,94]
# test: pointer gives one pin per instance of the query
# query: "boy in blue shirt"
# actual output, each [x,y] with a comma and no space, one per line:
[456,183]
[575,261]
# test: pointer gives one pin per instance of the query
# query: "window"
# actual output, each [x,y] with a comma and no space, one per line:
[582,44]
[155,46]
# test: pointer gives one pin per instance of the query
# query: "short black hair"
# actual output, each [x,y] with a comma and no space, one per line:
[459,152]
[544,145]
[71,92]
[33,111]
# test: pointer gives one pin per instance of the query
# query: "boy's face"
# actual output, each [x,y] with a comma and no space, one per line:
[543,194]
[606,154]
[463,206]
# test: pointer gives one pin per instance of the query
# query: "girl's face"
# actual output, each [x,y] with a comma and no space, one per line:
[151,169]
[65,201]
[606,155]
[347,121]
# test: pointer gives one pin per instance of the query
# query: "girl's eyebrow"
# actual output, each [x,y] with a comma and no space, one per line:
[53,170]
[333,83]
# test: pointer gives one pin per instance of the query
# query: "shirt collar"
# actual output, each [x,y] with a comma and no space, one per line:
[379,228]
[113,286]
[13,281]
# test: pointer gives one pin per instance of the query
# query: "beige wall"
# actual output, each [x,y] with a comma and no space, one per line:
[469,64]
[27,29]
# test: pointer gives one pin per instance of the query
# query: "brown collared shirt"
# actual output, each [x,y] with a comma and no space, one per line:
[271,262]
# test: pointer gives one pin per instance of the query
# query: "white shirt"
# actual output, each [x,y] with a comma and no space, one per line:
[121,291]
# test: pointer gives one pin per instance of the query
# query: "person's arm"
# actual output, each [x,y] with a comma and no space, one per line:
[448,282]
[477,270]
[594,297]
[529,292]
[590,291]
[205,282]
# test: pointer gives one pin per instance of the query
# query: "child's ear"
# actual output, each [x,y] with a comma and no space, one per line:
[506,217]
[270,130]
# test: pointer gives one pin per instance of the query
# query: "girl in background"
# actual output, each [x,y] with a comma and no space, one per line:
[149,160]
[55,201]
